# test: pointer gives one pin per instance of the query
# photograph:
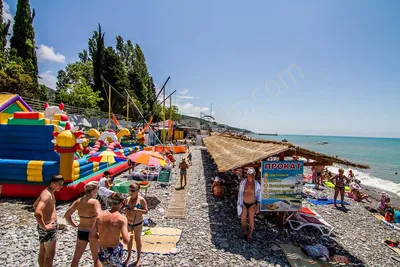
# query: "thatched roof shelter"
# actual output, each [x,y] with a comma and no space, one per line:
[231,152]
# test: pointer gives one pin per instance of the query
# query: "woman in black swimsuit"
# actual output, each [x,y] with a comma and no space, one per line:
[88,209]
[340,182]
[135,207]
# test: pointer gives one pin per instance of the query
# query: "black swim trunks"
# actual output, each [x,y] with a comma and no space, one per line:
[46,236]
[83,235]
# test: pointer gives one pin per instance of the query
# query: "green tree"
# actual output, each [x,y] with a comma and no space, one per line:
[4,27]
[23,39]
[175,115]
[13,78]
[96,52]
[45,93]
[115,72]
[73,72]
[80,94]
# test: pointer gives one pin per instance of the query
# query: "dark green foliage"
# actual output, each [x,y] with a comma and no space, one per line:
[45,93]
[96,52]
[23,39]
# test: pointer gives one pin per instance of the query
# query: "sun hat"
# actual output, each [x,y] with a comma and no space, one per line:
[251,171]
[92,185]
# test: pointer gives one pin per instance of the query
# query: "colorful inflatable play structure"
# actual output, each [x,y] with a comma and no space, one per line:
[34,146]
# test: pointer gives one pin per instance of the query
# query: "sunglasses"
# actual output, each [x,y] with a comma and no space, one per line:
[133,190]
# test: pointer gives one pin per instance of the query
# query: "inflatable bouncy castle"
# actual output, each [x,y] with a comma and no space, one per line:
[34,146]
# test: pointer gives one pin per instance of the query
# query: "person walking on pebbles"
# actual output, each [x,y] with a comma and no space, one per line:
[248,205]
[46,217]
[183,167]
[105,234]
[88,209]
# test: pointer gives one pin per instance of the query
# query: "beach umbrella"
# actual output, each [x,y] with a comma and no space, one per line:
[107,156]
[148,158]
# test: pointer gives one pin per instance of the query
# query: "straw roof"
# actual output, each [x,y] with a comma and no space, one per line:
[231,152]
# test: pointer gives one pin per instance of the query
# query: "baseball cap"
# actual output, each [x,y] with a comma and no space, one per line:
[251,171]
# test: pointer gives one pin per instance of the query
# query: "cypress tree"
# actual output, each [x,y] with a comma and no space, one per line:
[23,39]
[4,27]
[96,51]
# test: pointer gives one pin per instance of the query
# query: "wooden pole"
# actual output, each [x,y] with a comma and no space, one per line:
[109,106]
[127,112]
[170,119]
[163,130]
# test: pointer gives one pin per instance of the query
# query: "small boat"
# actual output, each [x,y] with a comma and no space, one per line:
[285,140]
[323,143]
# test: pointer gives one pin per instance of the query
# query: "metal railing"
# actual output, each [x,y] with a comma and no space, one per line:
[38,105]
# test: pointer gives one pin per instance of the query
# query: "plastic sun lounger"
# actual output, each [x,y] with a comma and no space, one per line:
[310,218]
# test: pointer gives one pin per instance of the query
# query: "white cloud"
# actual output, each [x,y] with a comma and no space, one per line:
[47,78]
[184,94]
[45,53]
[184,91]
[7,15]
[191,110]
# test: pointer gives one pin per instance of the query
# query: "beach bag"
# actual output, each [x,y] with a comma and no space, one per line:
[316,252]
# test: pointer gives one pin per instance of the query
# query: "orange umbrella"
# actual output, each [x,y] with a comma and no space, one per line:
[148,158]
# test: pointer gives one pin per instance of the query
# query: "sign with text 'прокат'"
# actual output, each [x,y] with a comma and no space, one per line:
[281,185]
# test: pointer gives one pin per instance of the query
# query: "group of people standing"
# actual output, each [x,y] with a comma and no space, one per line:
[100,229]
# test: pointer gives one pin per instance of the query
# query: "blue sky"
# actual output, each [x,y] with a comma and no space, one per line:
[343,57]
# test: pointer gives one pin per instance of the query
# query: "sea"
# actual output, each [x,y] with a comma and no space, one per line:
[381,154]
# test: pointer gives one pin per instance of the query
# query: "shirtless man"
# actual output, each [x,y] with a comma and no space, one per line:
[46,217]
[88,209]
[135,207]
[318,177]
[248,205]
[106,232]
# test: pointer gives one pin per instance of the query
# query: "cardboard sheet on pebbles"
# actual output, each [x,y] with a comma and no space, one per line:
[159,241]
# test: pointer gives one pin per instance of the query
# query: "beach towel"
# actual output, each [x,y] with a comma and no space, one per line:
[329,201]
[395,226]
[297,258]
[159,240]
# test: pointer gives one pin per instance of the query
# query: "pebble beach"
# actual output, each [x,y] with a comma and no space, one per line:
[210,229]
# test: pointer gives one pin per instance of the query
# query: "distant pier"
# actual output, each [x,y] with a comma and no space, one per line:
[269,134]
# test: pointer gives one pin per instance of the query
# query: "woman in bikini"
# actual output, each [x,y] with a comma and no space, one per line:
[88,209]
[134,208]
[339,181]
[249,199]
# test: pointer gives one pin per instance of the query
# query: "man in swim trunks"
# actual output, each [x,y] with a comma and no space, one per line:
[106,232]
[135,207]
[340,181]
[46,217]
[249,198]
[183,166]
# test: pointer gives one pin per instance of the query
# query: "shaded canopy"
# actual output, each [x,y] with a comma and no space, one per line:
[230,152]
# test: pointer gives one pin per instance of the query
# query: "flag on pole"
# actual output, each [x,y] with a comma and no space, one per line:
[148,124]
[115,120]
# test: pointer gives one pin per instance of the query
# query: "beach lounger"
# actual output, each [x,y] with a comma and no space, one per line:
[307,217]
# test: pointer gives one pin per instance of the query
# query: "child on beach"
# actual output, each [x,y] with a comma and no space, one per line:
[384,203]
[190,158]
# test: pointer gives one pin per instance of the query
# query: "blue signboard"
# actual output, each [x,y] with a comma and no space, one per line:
[281,185]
